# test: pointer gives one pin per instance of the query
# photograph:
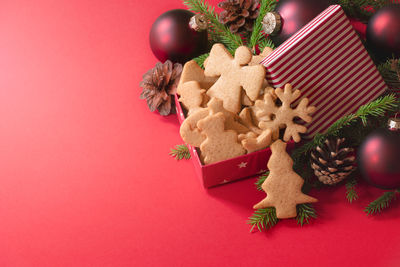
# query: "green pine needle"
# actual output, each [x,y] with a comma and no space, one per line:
[263,219]
[180,152]
[351,193]
[376,108]
[390,71]
[305,212]
[261,180]
[265,42]
[381,203]
[257,35]
[218,32]
[200,59]
[362,9]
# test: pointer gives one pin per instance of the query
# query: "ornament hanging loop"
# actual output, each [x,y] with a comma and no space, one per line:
[394,123]
[198,23]
[272,23]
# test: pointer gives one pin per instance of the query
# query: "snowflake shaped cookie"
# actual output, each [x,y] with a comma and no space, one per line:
[275,117]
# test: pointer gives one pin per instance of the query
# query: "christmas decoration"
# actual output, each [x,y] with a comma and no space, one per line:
[159,86]
[390,71]
[383,32]
[290,16]
[180,152]
[381,203]
[239,15]
[331,161]
[172,37]
[379,156]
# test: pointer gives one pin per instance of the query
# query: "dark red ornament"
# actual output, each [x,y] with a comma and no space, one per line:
[383,32]
[294,14]
[172,38]
[379,157]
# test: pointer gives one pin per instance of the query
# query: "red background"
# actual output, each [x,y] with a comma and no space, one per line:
[85,176]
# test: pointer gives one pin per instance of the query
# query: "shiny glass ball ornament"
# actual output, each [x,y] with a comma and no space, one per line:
[379,156]
[383,32]
[175,37]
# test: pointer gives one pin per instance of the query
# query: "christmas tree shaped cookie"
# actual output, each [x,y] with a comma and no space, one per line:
[283,185]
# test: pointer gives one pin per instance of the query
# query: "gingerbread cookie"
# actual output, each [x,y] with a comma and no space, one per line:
[233,76]
[192,72]
[276,117]
[191,96]
[283,185]
[232,121]
[220,144]
[256,60]
[262,141]
[193,136]
[189,131]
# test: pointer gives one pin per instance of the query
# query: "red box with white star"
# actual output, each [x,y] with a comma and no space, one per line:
[229,170]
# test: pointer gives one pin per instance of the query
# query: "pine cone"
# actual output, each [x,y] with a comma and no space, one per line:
[239,15]
[331,162]
[159,86]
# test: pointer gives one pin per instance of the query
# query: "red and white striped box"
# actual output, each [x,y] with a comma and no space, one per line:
[328,63]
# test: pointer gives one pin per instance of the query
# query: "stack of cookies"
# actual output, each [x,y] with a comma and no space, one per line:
[231,109]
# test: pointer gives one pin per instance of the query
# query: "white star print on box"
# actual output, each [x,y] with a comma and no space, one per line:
[242,165]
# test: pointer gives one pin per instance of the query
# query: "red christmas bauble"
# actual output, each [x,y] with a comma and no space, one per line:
[172,38]
[383,32]
[379,158]
[295,14]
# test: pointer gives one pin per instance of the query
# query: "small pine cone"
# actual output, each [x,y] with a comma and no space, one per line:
[239,15]
[159,86]
[331,162]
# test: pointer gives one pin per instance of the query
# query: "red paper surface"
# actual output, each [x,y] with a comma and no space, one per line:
[85,176]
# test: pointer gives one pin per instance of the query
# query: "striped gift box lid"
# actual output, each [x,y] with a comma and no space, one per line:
[328,63]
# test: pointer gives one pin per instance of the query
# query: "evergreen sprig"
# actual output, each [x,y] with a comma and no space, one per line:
[261,180]
[180,152]
[390,71]
[265,42]
[305,212]
[351,193]
[218,31]
[263,219]
[381,202]
[200,59]
[362,9]
[374,109]
[257,35]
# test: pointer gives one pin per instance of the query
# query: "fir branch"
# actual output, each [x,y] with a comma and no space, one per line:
[390,71]
[351,193]
[381,203]
[216,29]
[200,59]
[305,212]
[256,35]
[374,109]
[362,9]
[265,42]
[180,152]
[263,219]
[261,180]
